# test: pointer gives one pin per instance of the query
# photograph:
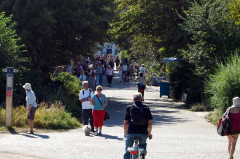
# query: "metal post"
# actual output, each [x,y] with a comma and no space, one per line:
[9,95]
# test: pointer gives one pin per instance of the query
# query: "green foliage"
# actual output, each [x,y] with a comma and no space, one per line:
[56,30]
[2,116]
[214,116]
[48,116]
[234,8]
[145,26]
[198,107]
[68,92]
[10,52]
[71,84]
[212,35]
[224,85]
[183,80]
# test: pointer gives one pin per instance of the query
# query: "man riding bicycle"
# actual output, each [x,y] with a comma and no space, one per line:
[134,129]
[125,70]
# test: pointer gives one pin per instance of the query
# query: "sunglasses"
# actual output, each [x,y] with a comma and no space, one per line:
[99,89]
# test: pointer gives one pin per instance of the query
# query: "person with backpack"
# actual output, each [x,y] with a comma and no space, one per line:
[85,97]
[137,123]
[234,115]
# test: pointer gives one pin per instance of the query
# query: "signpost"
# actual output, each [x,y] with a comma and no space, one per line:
[9,94]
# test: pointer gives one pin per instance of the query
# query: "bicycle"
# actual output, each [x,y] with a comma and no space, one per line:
[131,74]
[152,79]
[124,74]
[135,151]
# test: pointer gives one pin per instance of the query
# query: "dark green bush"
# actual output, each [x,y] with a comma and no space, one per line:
[183,80]
[67,91]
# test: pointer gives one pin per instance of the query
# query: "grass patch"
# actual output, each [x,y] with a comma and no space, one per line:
[197,107]
[48,116]
[214,116]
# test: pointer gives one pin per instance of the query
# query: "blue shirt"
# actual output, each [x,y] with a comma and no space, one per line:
[97,105]
[31,99]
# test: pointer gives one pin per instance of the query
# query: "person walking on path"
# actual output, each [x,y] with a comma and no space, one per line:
[143,70]
[141,84]
[85,97]
[120,69]
[131,129]
[109,74]
[93,79]
[99,102]
[234,115]
[31,105]
[100,71]
[117,61]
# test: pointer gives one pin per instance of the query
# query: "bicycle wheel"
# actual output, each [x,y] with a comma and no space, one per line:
[133,157]
[150,81]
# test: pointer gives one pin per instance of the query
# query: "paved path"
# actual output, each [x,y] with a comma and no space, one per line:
[177,134]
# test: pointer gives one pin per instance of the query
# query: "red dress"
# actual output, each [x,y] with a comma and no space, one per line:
[235,119]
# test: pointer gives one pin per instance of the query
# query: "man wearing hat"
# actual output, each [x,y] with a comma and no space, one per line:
[31,105]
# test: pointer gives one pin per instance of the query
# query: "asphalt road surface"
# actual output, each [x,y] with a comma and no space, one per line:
[177,133]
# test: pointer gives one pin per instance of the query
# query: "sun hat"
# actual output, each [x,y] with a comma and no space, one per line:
[236,102]
[27,86]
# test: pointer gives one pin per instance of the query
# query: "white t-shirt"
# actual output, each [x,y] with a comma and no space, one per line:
[142,70]
[86,104]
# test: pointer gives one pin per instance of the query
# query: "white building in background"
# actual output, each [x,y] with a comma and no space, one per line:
[108,48]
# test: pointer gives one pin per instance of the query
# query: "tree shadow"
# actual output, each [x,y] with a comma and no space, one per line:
[117,108]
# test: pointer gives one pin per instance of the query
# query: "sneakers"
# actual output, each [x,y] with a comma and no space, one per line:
[30,132]
[93,130]
[98,134]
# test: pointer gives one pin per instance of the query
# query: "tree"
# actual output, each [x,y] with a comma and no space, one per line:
[56,30]
[10,52]
[149,23]
[213,36]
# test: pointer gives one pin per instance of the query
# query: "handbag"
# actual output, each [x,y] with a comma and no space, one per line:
[106,117]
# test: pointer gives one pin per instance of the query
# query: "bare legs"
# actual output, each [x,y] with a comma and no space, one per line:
[232,140]
[30,123]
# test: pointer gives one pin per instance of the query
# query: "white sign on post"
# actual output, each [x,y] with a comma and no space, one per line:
[9,94]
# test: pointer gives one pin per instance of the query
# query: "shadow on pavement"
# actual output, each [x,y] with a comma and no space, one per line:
[116,109]
[35,136]
[111,137]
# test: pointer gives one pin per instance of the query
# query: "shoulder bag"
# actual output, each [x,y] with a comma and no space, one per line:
[106,117]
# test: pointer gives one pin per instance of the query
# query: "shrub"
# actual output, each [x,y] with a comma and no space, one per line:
[2,116]
[225,84]
[67,92]
[71,84]
[214,116]
[183,80]
[198,107]
[48,116]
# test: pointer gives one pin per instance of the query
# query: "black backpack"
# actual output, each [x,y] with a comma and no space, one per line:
[139,115]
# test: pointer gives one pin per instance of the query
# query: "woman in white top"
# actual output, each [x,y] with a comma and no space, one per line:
[109,73]
[31,105]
